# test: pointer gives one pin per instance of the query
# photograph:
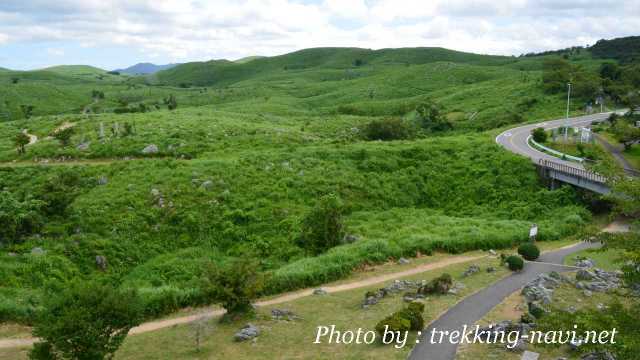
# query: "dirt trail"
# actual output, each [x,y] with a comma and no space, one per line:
[161,324]
[34,138]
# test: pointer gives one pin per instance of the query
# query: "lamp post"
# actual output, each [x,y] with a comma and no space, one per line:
[566,124]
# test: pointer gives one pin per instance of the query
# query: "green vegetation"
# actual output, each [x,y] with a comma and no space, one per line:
[439,285]
[84,321]
[407,319]
[529,251]
[539,135]
[270,159]
[235,286]
[515,263]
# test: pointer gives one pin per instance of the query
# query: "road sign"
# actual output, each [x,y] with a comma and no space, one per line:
[533,232]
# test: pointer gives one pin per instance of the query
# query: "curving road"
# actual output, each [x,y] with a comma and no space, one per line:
[516,139]
[473,308]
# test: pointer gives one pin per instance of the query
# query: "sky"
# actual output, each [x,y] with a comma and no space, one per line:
[119,33]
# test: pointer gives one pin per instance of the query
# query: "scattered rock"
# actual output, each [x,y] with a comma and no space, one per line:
[575,344]
[283,314]
[373,297]
[101,262]
[248,332]
[207,185]
[585,263]
[403,261]
[37,251]
[155,192]
[493,252]
[84,146]
[491,269]
[598,356]
[597,280]
[350,238]
[320,291]
[456,288]
[585,275]
[471,270]
[12,254]
[150,149]
[103,180]
[587,293]
[528,355]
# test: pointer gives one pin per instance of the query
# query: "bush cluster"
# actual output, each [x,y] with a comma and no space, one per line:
[515,263]
[407,319]
[529,251]
[389,129]
[439,285]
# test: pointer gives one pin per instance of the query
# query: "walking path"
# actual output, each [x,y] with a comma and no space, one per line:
[475,307]
[616,152]
[161,324]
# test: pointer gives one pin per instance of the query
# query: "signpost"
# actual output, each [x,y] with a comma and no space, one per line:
[533,232]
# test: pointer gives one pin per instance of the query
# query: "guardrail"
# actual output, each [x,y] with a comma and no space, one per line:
[554,152]
[570,170]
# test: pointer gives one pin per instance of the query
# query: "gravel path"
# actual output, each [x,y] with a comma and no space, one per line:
[165,323]
[475,307]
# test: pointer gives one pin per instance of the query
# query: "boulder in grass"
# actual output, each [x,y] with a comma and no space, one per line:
[150,149]
[248,332]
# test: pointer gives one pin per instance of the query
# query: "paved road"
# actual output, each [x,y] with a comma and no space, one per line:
[474,307]
[516,139]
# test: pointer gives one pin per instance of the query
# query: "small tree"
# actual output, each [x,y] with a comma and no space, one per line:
[234,286]
[430,118]
[388,129]
[322,228]
[27,110]
[20,141]
[86,320]
[64,135]
[171,102]
[515,263]
[539,135]
[18,218]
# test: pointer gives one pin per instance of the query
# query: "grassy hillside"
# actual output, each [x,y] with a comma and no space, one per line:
[246,156]
[75,70]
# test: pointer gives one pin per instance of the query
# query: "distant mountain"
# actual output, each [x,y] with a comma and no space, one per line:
[224,72]
[145,68]
[247,59]
[75,70]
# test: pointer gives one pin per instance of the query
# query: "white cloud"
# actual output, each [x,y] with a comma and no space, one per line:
[183,30]
[55,52]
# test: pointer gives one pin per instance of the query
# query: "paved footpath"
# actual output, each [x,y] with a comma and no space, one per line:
[474,307]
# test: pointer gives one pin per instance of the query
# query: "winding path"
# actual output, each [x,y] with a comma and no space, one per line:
[475,307]
[161,324]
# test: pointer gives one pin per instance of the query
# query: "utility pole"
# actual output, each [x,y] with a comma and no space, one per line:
[566,124]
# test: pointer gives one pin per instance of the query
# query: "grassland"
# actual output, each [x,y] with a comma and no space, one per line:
[247,153]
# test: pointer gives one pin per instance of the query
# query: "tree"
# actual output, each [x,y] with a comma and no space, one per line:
[20,141]
[322,227]
[171,102]
[234,286]
[18,218]
[626,134]
[389,129]
[610,71]
[15,80]
[86,320]
[64,135]
[539,135]
[27,110]
[430,118]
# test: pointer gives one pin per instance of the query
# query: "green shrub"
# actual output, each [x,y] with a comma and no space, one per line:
[439,285]
[322,228]
[388,129]
[234,286]
[413,312]
[539,135]
[515,263]
[86,320]
[527,318]
[394,322]
[18,218]
[536,310]
[64,135]
[529,251]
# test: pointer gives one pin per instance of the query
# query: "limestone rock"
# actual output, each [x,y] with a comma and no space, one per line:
[248,332]
[150,149]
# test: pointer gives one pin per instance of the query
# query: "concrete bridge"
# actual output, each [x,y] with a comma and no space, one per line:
[555,173]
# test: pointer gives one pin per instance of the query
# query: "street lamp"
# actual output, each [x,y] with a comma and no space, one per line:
[566,125]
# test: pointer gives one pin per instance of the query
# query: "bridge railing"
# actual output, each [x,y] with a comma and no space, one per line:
[573,171]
